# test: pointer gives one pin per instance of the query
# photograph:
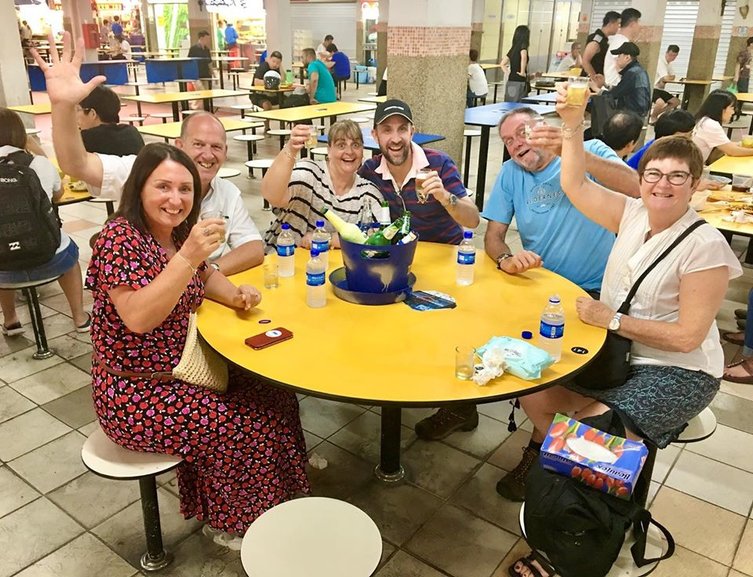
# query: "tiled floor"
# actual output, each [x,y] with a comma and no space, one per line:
[57,519]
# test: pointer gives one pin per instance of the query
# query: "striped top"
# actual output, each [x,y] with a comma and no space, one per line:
[311,192]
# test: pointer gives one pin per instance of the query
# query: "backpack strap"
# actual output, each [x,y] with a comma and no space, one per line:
[20,157]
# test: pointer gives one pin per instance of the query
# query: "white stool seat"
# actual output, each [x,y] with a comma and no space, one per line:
[225,172]
[189,112]
[108,459]
[700,427]
[248,137]
[323,150]
[27,284]
[471,133]
[32,131]
[278,132]
[372,94]
[132,119]
[161,114]
[245,107]
[360,119]
[260,163]
[313,536]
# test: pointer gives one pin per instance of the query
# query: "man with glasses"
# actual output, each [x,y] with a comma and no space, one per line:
[554,234]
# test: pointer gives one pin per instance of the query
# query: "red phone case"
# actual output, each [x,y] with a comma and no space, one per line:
[269,338]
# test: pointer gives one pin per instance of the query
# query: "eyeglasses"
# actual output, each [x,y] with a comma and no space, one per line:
[676,178]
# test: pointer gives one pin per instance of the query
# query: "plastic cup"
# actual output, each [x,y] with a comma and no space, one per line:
[577,87]
[747,141]
[530,124]
[271,275]
[465,360]
[741,183]
[311,141]
[214,214]
[421,177]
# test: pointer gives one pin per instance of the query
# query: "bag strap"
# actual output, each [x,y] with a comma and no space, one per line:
[625,307]
[640,530]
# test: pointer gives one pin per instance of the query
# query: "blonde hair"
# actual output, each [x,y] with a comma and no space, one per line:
[344,129]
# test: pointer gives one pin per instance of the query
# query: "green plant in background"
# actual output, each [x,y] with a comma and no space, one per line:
[175,24]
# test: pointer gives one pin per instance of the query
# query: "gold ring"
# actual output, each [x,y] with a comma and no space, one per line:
[207,232]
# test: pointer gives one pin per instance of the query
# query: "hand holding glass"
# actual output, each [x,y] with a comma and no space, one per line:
[311,141]
[423,175]
[212,215]
[577,87]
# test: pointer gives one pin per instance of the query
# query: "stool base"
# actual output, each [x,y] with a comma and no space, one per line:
[390,478]
[149,563]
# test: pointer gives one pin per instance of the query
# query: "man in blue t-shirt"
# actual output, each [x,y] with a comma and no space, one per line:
[321,87]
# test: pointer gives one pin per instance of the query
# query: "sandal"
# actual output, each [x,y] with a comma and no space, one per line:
[84,328]
[527,562]
[747,379]
[13,329]
[734,338]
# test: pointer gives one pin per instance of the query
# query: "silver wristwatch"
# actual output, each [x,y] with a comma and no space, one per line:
[614,324]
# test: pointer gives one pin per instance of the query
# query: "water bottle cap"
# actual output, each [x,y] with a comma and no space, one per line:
[314,252]
[554,299]
[376,225]
[527,335]
[468,234]
[285,226]
[319,223]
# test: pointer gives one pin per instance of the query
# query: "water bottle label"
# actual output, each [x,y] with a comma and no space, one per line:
[286,250]
[466,258]
[315,279]
[320,245]
[551,331]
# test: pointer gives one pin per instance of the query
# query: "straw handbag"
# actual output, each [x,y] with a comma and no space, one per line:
[200,364]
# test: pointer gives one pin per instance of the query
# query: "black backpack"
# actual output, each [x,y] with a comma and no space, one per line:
[579,529]
[29,226]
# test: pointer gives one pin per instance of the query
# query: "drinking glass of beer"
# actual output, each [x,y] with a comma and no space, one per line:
[215,215]
[577,87]
[421,177]
[311,141]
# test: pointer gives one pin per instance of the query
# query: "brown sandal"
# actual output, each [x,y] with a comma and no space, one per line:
[735,338]
[747,379]
[527,562]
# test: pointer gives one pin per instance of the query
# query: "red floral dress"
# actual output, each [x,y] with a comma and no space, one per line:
[243,451]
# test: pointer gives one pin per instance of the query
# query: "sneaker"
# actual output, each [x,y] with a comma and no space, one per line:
[232,542]
[446,421]
[13,329]
[513,485]
[741,313]
[84,328]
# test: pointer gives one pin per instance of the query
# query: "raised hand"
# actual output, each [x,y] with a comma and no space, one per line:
[298,136]
[204,238]
[570,114]
[64,85]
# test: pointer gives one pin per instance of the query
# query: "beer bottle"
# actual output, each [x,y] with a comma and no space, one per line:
[346,230]
[385,236]
[404,228]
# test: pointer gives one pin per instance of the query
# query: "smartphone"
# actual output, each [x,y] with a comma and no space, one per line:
[269,338]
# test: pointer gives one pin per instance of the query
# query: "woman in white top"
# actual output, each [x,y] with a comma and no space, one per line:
[303,189]
[65,261]
[677,360]
[121,48]
[709,134]
[477,85]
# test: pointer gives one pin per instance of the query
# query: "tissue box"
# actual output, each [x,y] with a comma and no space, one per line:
[602,461]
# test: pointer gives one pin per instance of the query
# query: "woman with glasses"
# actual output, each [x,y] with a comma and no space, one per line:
[676,360]
[709,134]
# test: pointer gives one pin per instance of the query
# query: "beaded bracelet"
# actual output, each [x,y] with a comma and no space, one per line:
[568,133]
[185,260]
[287,153]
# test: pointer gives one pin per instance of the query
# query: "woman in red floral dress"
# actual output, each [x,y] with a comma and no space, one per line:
[244,450]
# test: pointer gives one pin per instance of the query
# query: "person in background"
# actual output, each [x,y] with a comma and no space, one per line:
[741,370]
[321,85]
[98,117]
[622,131]
[117,27]
[219,35]
[26,33]
[676,121]
[202,137]
[477,84]
[271,64]
[634,90]
[572,60]
[104,32]
[231,43]
[709,134]
[515,65]
[243,451]
[340,65]
[597,46]
[323,51]
[201,50]
[742,66]
[630,25]
[120,48]
[662,100]
[65,261]
[303,189]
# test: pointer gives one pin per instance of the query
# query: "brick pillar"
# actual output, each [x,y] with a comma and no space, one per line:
[742,29]
[705,42]
[381,53]
[427,45]
[649,36]
[75,14]
[584,22]
[198,19]
[477,24]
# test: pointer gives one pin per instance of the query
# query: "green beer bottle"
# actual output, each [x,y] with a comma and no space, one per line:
[385,236]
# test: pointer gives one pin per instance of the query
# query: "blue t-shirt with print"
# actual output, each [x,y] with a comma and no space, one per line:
[549,225]
[325,87]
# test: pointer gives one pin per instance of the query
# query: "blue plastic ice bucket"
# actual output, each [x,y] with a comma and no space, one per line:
[376,269]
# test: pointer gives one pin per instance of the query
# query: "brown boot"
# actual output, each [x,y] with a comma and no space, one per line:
[446,421]
[513,485]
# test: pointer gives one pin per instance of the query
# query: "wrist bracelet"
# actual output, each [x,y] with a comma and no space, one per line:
[185,260]
[568,133]
[287,153]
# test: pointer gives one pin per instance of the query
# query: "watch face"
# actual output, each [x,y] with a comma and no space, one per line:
[614,324]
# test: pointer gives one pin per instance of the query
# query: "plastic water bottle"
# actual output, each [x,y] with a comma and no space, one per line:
[320,241]
[466,259]
[316,296]
[286,252]
[552,327]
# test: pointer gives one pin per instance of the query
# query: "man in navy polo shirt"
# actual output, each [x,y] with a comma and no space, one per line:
[448,209]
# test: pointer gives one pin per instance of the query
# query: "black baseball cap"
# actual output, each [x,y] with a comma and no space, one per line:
[391,107]
[627,48]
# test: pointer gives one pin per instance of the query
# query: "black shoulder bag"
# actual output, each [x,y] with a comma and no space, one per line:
[611,366]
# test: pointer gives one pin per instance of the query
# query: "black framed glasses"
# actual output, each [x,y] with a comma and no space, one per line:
[676,177]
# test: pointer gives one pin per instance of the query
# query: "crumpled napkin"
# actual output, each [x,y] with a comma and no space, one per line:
[517,357]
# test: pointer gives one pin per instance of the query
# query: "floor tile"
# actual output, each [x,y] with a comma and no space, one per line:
[362,437]
[52,383]
[727,445]
[733,411]
[14,492]
[399,510]
[405,565]
[388,550]
[13,403]
[712,481]
[520,549]
[509,454]
[324,418]
[312,440]
[27,432]
[198,556]
[699,526]
[479,495]
[53,464]
[483,440]
[744,557]
[75,409]
[499,410]
[687,563]
[344,475]
[665,459]
[10,345]
[460,544]
[88,428]
[57,325]
[124,531]
[60,304]
[737,390]
[68,347]
[412,416]
[733,573]
[19,364]
[91,499]
[32,532]
[85,556]
[437,467]
[84,362]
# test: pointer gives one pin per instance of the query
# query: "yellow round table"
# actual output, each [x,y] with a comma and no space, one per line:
[392,355]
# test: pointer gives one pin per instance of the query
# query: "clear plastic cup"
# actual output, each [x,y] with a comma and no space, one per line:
[577,88]
[271,275]
[421,177]
[465,361]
